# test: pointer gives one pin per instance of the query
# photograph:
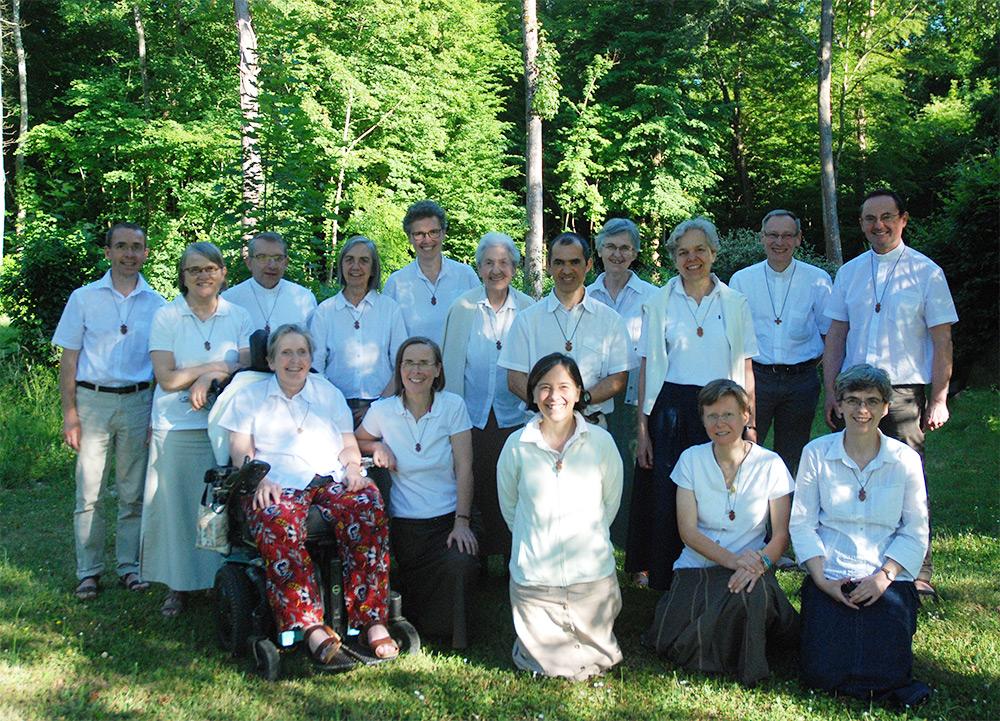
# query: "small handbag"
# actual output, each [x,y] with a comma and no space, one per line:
[213,523]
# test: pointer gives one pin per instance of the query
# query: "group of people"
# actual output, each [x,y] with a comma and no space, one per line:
[492,414]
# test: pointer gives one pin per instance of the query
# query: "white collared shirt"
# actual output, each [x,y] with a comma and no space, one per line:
[424,484]
[409,287]
[761,478]
[628,304]
[695,360]
[92,323]
[855,537]
[895,339]
[358,360]
[601,345]
[286,302]
[797,296]
[263,411]
[178,330]
[485,381]
[559,519]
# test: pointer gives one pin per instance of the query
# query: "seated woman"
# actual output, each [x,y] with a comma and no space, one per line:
[724,606]
[860,527]
[559,481]
[302,427]
[422,436]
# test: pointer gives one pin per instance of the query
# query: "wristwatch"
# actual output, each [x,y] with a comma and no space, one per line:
[888,574]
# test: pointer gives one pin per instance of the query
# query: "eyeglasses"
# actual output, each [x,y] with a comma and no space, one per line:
[714,418]
[885,218]
[872,403]
[623,249]
[263,258]
[787,237]
[418,365]
[432,234]
[207,270]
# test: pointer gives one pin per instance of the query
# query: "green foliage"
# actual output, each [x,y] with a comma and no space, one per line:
[546,101]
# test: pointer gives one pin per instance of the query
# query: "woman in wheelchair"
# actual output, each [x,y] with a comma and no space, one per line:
[303,428]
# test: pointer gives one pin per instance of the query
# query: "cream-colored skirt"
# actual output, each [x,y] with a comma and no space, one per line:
[566,631]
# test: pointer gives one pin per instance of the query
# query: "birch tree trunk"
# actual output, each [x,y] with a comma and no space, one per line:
[22,82]
[253,173]
[533,240]
[828,181]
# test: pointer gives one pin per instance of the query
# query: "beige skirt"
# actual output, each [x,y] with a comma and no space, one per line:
[568,631]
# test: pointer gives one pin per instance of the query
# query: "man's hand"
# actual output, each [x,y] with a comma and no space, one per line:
[937,415]
[71,429]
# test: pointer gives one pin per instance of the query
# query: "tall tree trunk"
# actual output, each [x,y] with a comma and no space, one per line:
[141,34]
[253,172]
[22,82]
[3,170]
[828,181]
[533,154]
[737,146]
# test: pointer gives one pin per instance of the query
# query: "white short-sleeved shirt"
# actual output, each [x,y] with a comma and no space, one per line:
[409,287]
[424,484]
[92,322]
[559,519]
[358,360]
[263,411]
[601,345]
[897,338]
[763,477]
[485,382]
[854,537]
[628,304]
[797,295]
[695,360]
[286,302]
[178,330]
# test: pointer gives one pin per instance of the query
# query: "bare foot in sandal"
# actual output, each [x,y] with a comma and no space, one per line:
[323,642]
[88,588]
[377,639]
[132,582]
[174,604]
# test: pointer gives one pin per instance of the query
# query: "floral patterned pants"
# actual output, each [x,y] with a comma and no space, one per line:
[359,522]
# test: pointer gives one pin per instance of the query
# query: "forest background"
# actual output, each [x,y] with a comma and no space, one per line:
[654,110]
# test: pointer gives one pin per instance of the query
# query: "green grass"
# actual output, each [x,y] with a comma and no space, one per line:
[116,658]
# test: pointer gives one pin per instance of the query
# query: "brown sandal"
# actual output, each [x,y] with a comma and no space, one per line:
[328,648]
[391,647]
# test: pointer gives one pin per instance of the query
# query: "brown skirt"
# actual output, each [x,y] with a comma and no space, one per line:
[486,446]
[701,626]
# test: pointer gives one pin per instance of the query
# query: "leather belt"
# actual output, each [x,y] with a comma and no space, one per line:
[786,370]
[118,390]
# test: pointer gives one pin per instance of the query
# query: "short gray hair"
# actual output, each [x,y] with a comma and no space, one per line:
[375,279]
[266,237]
[424,209]
[701,223]
[493,240]
[618,226]
[861,377]
[288,329]
[778,213]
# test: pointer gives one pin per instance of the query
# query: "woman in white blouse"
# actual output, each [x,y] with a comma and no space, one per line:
[474,333]
[860,527]
[421,435]
[195,339]
[724,606]
[359,330]
[560,484]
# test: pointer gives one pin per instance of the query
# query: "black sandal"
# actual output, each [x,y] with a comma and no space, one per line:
[88,588]
[132,582]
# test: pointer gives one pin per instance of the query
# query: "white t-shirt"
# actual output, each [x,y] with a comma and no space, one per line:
[263,411]
[409,287]
[286,302]
[763,477]
[797,295]
[424,484]
[178,330]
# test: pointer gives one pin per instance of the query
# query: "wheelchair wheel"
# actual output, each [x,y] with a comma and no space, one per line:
[405,636]
[267,659]
[233,607]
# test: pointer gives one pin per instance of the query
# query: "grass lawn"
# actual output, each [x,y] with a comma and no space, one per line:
[116,658]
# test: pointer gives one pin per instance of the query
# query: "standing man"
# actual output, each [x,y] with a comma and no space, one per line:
[426,288]
[891,308]
[270,300]
[787,298]
[570,321]
[104,381]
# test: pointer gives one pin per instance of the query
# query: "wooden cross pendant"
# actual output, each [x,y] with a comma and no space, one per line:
[356,325]
[701,331]
[862,495]
[124,329]
[569,345]
[732,515]
[878,307]
[777,321]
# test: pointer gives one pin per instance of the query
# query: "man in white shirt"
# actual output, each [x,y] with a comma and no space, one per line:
[426,288]
[104,381]
[270,300]
[891,308]
[787,298]
[570,321]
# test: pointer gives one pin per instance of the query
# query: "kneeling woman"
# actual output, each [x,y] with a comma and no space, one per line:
[559,481]
[422,435]
[724,605]
[860,523]
[303,428]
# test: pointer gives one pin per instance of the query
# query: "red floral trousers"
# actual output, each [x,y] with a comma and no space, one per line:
[357,519]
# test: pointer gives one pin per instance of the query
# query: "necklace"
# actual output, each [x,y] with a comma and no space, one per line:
[778,314]
[569,340]
[417,440]
[124,323]
[197,327]
[493,324]
[701,323]
[267,316]
[732,490]
[878,298]
[359,316]
[862,493]
[433,286]
[299,424]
